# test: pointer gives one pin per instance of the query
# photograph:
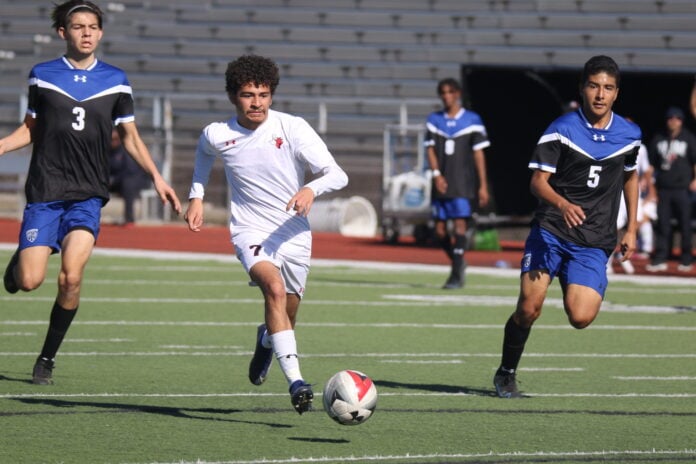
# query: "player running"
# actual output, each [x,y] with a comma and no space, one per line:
[265,154]
[581,164]
[74,102]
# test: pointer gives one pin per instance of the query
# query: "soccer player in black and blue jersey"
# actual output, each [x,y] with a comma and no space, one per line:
[455,139]
[582,163]
[74,102]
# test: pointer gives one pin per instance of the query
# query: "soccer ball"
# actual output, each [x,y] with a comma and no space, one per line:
[350,397]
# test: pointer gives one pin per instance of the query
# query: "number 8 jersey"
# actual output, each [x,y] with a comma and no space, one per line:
[74,111]
[587,168]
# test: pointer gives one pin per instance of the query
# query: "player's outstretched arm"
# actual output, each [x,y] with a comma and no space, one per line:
[137,149]
[166,193]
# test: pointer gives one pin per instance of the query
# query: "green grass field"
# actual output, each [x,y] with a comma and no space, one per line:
[154,370]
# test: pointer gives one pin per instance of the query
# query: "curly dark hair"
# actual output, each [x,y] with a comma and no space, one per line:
[251,69]
[61,13]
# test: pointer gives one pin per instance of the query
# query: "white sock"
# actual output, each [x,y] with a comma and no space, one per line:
[646,233]
[285,349]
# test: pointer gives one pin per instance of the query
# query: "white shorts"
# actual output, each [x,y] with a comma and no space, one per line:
[291,257]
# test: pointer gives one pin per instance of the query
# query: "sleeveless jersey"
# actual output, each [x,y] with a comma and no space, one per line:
[587,166]
[75,111]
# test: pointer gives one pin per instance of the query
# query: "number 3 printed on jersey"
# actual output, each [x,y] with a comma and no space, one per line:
[593,178]
[79,123]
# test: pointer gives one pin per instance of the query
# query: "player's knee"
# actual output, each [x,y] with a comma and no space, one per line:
[29,280]
[69,282]
[580,321]
[28,283]
[275,290]
[527,314]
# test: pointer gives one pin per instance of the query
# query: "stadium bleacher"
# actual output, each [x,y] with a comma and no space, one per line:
[358,52]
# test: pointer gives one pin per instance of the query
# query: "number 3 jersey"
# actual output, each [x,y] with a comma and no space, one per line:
[587,167]
[74,112]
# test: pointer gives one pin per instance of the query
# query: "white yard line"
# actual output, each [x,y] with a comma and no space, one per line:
[377,325]
[654,378]
[403,300]
[318,393]
[363,355]
[545,455]
[404,267]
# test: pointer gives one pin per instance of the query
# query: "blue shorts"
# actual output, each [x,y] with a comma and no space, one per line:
[574,264]
[47,224]
[451,208]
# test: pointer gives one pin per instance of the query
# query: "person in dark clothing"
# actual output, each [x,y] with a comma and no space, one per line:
[673,155]
[455,141]
[127,178]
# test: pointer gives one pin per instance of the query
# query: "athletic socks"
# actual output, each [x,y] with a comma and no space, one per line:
[458,255]
[285,350]
[446,244]
[513,345]
[57,328]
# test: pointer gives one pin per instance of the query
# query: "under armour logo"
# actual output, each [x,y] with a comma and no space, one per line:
[599,137]
[80,78]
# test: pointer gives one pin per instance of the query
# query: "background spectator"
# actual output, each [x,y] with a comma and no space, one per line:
[127,178]
[672,153]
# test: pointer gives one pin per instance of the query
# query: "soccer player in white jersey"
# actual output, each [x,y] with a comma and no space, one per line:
[582,163]
[74,102]
[265,154]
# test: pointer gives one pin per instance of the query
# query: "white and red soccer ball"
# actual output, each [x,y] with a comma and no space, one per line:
[350,397]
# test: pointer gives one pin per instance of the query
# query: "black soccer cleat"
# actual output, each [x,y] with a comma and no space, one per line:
[506,385]
[8,279]
[43,372]
[301,396]
[262,359]
[453,282]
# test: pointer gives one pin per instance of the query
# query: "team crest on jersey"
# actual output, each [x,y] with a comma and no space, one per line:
[278,141]
[31,235]
[526,260]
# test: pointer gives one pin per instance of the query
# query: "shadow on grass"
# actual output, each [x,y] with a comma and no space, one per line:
[4,378]
[182,413]
[439,388]
[320,440]
[436,388]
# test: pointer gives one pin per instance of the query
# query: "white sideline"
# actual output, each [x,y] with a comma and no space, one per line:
[392,394]
[417,457]
[226,257]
